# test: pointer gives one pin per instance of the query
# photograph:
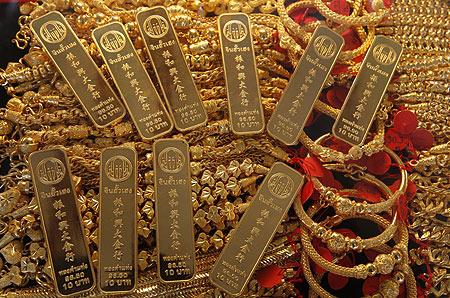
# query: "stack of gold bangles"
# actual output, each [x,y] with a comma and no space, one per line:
[390,259]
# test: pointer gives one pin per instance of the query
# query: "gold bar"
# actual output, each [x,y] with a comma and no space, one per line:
[174,233]
[241,254]
[364,97]
[132,80]
[68,251]
[78,69]
[244,97]
[174,76]
[117,262]
[305,85]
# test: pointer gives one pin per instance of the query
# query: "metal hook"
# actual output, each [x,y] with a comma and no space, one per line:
[39,111]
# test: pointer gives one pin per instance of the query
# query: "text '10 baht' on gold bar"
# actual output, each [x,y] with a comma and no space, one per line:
[244,97]
[296,103]
[60,217]
[133,82]
[78,69]
[174,215]
[366,93]
[117,263]
[174,76]
[241,254]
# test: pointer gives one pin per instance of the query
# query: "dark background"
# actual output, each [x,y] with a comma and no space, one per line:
[9,14]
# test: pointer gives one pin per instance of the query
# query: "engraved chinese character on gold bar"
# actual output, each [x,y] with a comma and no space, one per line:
[244,98]
[368,88]
[296,103]
[255,230]
[117,263]
[133,82]
[78,69]
[175,78]
[68,252]
[174,234]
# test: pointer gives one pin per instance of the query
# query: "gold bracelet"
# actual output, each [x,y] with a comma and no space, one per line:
[338,243]
[354,153]
[299,31]
[383,264]
[388,288]
[345,206]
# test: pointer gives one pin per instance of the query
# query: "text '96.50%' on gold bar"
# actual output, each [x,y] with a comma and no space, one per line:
[78,69]
[364,97]
[117,263]
[297,101]
[174,233]
[60,216]
[175,78]
[241,254]
[244,97]
[132,80]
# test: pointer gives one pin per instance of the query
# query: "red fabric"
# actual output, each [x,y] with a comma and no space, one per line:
[307,191]
[352,42]
[370,285]
[405,122]
[340,7]
[395,141]
[379,163]
[368,192]
[336,96]
[422,139]
[270,276]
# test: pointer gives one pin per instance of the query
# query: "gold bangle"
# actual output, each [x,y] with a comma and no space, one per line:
[344,206]
[386,289]
[338,243]
[383,264]
[369,19]
[355,152]
[299,30]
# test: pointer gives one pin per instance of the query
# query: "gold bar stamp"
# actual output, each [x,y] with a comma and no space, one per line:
[133,82]
[244,97]
[78,69]
[117,262]
[305,85]
[174,76]
[68,252]
[240,256]
[174,214]
[364,97]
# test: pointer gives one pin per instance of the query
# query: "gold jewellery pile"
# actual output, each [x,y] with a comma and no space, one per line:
[137,104]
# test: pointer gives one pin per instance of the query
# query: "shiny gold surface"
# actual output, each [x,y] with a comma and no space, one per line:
[78,69]
[175,234]
[305,85]
[241,254]
[117,267]
[244,97]
[132,80]
[175,78]
[66,243]
[364,97]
